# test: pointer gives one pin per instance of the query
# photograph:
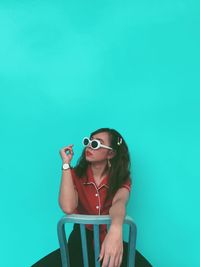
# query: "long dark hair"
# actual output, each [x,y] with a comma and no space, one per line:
[119,172]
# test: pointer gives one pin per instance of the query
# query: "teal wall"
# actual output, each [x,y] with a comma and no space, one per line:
[69,67]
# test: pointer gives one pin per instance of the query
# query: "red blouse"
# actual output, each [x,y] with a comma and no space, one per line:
[92,198]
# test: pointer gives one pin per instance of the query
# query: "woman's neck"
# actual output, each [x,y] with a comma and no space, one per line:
[99,169]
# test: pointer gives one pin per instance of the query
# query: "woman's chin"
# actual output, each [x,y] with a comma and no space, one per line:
[88,159]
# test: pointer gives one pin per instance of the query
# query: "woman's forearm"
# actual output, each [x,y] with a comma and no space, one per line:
[117,213]
[68,197]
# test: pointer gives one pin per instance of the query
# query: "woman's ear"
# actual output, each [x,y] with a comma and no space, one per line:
[111,154]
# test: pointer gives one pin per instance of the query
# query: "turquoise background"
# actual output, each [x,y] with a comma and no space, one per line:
[69,67]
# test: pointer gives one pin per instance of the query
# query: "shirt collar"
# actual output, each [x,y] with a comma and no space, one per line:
[90,178]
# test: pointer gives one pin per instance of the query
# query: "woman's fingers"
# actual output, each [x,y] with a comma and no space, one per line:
[66,153]
[118,260]
[106,259]
[68,148]
[111,262]
[101,253]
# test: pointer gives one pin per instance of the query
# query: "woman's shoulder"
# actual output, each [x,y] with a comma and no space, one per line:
[76,176]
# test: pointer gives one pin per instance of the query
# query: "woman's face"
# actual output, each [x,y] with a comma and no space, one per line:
[101,154]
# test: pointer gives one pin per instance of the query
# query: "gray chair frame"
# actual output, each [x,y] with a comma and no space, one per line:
[95,220]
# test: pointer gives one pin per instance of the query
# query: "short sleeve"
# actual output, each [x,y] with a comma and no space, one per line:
[127,185]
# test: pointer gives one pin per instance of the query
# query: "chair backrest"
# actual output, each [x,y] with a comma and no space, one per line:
[95,220]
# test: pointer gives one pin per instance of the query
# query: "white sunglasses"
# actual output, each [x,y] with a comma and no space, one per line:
[94,144]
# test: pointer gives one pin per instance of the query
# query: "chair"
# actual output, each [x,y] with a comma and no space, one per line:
[95,220]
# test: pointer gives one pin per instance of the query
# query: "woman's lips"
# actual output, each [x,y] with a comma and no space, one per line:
[88,153]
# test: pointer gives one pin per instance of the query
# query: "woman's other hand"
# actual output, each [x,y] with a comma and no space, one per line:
[112,249]
[67,153]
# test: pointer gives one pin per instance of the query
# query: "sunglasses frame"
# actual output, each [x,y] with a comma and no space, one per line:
[99,145]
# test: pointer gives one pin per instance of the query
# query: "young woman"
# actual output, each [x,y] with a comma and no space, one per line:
[98,185]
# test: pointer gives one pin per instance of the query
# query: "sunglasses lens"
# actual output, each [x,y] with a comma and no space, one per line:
[85,141]
[94,144]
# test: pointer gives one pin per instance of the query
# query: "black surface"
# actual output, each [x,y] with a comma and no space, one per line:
[75,251]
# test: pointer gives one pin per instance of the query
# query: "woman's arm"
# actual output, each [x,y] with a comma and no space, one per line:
[112,247]
[68,196]
[118,208]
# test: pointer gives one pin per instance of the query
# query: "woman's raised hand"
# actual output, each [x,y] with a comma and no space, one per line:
[67,153]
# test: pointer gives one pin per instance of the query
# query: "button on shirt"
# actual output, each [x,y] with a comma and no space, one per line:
[92,198]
